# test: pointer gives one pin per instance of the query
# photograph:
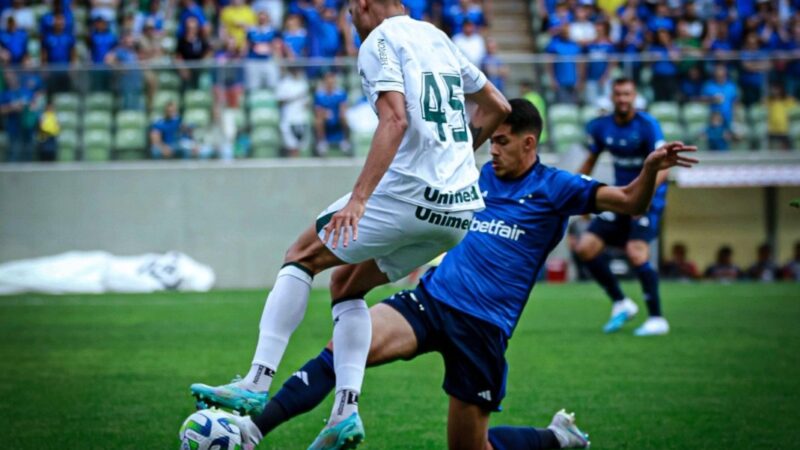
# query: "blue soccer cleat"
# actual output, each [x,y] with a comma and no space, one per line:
[346,434]
[621,312]
[231,396]
[567,433]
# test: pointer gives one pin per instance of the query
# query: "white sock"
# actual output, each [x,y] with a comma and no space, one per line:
[352,335]
[283,312]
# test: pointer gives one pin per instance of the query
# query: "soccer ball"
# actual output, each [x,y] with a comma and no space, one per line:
[209,429]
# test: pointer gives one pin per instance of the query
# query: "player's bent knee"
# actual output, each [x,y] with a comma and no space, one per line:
[588,248]
[637,252]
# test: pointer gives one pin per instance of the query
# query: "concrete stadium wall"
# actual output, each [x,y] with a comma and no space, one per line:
[238,218]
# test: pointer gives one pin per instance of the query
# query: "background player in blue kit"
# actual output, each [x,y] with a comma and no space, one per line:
[630,136]
[468,307]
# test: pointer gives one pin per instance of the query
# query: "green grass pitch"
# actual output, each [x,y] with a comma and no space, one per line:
[112,371]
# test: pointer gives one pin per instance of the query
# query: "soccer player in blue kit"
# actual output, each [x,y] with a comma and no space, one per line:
[629,135]
[468,307]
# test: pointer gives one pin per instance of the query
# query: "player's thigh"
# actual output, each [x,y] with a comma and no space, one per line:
[467,426]
[430,234]
[638,252]
[589,246]
[392,336]
[356,280]
[311,253]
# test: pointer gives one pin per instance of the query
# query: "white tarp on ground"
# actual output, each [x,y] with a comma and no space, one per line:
[98,272]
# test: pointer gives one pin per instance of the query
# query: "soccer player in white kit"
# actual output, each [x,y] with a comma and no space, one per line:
[414,199]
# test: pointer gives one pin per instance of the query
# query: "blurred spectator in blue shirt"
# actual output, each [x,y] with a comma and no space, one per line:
[13,43]
[723,268]
[330,112]
[16,103]
[720,92]
[661,20]
[792,72]
[165,135]
[190,9]
[717,134]
[634,10]
[665,71]
[23,15]
[295,36]
[58,48]
[101,42]
[753,71]
[417,9]
[130,83]
[716,41]
[263,41]
[495,69]
[561,18]
[764,269]
[463,11]
[631,44]
[47,20]
[325,38]
[598,70]
[692,84]
[564,74]
[154,16]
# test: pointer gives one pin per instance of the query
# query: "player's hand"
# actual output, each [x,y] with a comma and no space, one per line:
[345,223]
[671,155]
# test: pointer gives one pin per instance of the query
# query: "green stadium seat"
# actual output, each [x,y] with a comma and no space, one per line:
[67,120]
[197,117]
[563,114]
[96,145]
[97,120]
[3,141]
[695,113]
[757,114]
[65,101]
[99,101]
[262,99]
[743,132]
[673,131]
[260,117]
[131,120]
[168,80]
[588,113]
[794,114]
[665,111]
[130,144]
[237,115]
[694,130]
[163,97]
[34,48]
[67,140]
[759,136]
[266,142]
[197,99]
[567,135]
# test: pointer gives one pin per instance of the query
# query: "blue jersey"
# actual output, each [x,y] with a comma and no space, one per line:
[259,37]
[629,145]
[170,130]
[296,40]
[490,274]
[59,47]
[332,102]
[15,43]
[100,44]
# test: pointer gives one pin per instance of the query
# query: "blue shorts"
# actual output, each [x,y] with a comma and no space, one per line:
[617,229]
[473,349]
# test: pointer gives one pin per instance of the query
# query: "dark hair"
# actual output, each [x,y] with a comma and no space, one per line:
[524,117]
[725,249]
[624,80]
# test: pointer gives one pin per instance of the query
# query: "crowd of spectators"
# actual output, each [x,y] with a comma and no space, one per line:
[680,267]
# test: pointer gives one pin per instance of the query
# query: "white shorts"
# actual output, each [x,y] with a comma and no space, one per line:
[294,135]
[398,235]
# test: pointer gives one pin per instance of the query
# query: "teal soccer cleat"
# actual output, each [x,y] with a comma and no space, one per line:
[230,396]
[621,312]
[346,434]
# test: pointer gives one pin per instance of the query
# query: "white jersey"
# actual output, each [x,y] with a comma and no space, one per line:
[435,164]
[293,93]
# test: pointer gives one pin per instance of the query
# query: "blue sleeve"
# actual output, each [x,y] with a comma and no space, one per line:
[655,135]
[593,139]
[572,194]
[318,100]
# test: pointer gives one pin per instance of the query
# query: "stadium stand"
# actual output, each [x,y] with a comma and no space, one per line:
[74,54]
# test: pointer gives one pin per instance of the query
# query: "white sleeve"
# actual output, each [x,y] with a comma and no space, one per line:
[381,65]
[474,80]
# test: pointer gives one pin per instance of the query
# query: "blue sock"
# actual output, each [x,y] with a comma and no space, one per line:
[303,391]
[648,277]
[522,438]
[601,272]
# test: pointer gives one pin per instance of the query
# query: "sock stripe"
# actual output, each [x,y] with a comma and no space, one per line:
[357,296]
[299,266]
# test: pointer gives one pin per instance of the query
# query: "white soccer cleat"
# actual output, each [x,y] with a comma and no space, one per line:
[251,435]
[621,312]
[653,326]
[567,433]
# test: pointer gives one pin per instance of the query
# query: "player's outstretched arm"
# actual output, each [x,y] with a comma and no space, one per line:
[493,108]
[634,199]
[392,125]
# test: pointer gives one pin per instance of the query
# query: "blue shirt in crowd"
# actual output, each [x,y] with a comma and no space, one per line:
[664,65]
[598,53]
[297,41]
[566,73]
[100,44]
[727,91]
[715,135]
[15,43]
[59,47]
[170,130]
[748,78]
[260,35]
[192,11]
[331,102]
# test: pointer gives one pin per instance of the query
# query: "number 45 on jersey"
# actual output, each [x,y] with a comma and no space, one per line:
[433,109]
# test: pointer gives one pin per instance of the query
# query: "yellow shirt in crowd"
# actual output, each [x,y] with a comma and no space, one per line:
[49,124]
[778,114]
[237,19]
